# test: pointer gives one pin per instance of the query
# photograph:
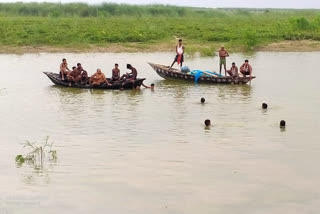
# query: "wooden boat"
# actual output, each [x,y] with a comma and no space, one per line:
[175,74]
[56,79]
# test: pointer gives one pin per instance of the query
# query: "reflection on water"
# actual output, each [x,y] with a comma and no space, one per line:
[238,92]
[150,149]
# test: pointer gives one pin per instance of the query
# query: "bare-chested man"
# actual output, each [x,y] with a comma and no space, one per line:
[98,78]
[64,70]
[129,77]
[116,73]
[223,53]
[233,72]
[84,74]
[74,76]
[246,69]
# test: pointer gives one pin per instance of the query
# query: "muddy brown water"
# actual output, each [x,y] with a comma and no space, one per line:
[148,151]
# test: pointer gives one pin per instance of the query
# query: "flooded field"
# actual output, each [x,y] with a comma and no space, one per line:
[143,151]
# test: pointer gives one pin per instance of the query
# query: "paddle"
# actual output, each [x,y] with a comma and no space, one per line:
[209,74]
[171,65]
[174,61]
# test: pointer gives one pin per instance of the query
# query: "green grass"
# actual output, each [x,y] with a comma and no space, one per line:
[80,25]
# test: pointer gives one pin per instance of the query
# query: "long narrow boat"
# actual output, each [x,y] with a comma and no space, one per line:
[56,79]
[175,74]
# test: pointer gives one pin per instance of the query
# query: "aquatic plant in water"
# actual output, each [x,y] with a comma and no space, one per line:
[38,154]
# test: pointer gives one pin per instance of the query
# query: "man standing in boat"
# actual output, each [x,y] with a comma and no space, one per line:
[223,54]
[64,70]
[179,57]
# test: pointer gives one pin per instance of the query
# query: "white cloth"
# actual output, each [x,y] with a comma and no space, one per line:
[180,49]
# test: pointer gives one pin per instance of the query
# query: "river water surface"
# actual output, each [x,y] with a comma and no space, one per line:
[143,151]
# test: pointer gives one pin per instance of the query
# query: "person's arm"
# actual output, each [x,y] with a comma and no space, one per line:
[67,67]
[227,54]
[237,71]
[145,86]
[61,67]
[182,49]
[241,68]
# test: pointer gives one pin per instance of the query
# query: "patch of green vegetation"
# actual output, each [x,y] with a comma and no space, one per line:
[37,154]
[81,25]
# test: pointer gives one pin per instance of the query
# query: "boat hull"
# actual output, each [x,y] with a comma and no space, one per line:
[56,79]
[175,74]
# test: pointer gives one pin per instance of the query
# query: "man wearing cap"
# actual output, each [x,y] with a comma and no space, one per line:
[223,53]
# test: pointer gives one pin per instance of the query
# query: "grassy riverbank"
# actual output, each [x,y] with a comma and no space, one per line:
[111,27]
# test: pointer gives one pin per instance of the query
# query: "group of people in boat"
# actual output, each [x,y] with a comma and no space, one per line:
[79,76]
[245,69]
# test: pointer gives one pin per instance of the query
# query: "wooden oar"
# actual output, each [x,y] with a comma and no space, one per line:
[209,74]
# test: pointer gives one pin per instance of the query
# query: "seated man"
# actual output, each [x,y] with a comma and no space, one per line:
[98,78]
[233,72]
[115,73]
[130,76]
[64,70]
[83,73]
[74,76]
[246,69]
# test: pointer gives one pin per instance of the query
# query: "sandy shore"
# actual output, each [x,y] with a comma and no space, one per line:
[292,46]
[284,46]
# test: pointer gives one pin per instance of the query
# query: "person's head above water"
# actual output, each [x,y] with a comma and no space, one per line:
[207,123]
[79,65]
[246,61]
[99,71]
[264,105]
[203,100]
[233,64]
[64,60]
[74,68]
[152,85]
[116,65]
[129,66]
